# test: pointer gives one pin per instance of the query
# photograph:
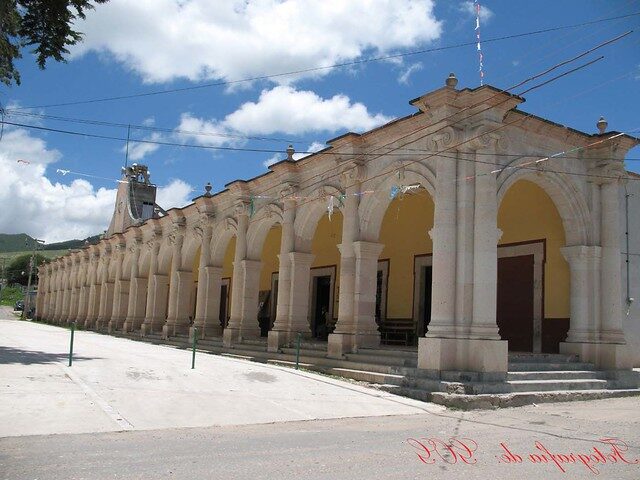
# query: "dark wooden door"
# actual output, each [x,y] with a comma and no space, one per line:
[515,302]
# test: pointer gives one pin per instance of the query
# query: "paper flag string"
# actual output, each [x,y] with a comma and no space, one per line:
[330,207]
[252,207]
[63,172]
[476,4]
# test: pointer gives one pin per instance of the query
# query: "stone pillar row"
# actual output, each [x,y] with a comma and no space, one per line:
[96,286]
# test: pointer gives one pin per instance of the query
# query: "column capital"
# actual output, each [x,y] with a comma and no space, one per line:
[301,258]
[580,252]
[608,172]
[367,249]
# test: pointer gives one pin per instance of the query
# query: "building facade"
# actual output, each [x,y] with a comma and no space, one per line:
[460,229]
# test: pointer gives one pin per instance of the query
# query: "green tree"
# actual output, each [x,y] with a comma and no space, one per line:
[45,24]
[18,269]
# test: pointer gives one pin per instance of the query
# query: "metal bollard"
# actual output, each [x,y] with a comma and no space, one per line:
[195,342]
[73,328]
[298,349]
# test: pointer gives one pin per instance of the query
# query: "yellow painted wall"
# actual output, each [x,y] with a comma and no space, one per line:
[195,266]
[227,264]
[269,257]
[404,233]
[527,213]
[324,246]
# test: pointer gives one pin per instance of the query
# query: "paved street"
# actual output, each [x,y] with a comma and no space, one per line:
[132,410]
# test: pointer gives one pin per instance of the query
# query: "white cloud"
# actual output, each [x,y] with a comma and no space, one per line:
[52,210]
[176,194]
[285,109]
[282,109]
[404,76]
[469,8]
[137,151]
[162,40]
[314,147]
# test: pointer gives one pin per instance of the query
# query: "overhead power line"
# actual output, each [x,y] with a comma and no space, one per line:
[330,67]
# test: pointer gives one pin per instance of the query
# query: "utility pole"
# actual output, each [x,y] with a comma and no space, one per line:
[27,300]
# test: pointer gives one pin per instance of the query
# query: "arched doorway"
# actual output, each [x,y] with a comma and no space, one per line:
[533,277]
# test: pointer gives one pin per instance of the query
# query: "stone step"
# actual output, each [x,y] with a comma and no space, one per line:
[305,352]
[261,342]
[557,375]
[542,358]
[408,353]
[399,361]
[547,367]
[469,402]
[554,385]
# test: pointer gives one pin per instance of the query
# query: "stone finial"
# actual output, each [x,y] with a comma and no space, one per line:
[602,125]
[290,152]
[451,80]
[207,189]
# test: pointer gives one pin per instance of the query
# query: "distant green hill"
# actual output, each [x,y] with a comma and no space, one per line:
[15,243]
[20,242]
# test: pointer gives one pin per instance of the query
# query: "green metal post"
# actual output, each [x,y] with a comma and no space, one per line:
[195,342]
[298,349]
[73,328]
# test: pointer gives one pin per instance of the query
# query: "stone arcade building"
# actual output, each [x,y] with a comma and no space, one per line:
[439,229]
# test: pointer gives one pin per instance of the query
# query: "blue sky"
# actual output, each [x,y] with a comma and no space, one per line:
[149,45]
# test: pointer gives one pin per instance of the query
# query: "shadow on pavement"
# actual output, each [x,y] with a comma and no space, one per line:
[10,355]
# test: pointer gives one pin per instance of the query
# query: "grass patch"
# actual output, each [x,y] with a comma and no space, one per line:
[10,295]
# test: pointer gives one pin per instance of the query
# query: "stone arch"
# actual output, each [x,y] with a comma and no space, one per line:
[374,206]
[165,255]
[567,198]
[309,214]
[222,235]
[190,246]
[258,230]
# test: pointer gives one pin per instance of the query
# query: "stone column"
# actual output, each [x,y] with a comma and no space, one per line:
[94,291]
[280,334]
[443,234]
[57,310]
[231,334]
[611,281]
[120,292]
[106,292]
[207,319]
[137,291]
[157,290]
[606,347]
[298,303]
[476,347]
[584,266]
[83,292]
[340,341]
[365,329]
[179,289]
[66,295]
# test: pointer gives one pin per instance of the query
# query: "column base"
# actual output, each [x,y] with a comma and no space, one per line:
[151,327]
[115,324]
[101,324]
[173,329]
[605,356]
[207,331]
[132,324]
[488,357]
[340,343]
[281,338]
[233,335]
[89,323]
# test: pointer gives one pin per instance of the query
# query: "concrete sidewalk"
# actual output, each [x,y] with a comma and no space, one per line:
[118,384]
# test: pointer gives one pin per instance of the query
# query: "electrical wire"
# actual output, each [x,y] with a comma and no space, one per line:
[333,66]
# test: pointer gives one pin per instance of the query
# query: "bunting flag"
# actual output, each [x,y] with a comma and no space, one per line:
[330,207]
[252,207]
[478,45]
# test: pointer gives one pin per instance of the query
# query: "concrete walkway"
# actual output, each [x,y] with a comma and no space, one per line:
[118,384]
